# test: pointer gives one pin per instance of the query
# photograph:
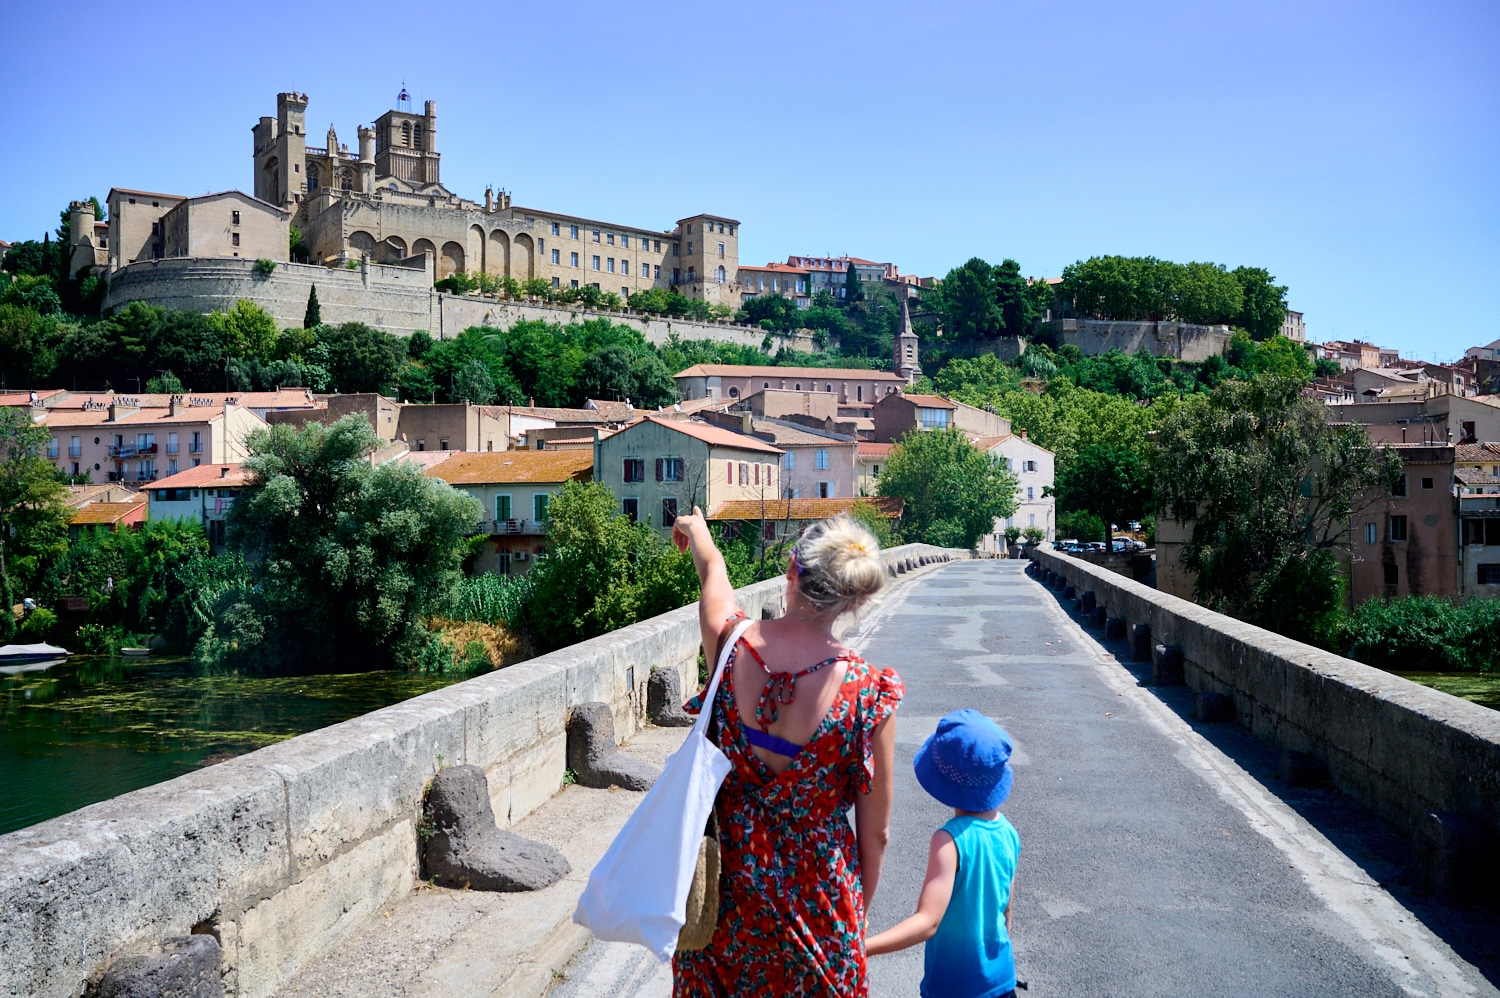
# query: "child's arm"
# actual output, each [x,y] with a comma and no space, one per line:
[942,865]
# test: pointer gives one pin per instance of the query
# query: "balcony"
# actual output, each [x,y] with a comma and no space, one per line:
[125,451]
[512,528]
[1478,504]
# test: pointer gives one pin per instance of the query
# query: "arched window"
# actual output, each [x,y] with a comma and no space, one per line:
[406,133]
[721,275]
[346,178]
[312,177]
[417,136]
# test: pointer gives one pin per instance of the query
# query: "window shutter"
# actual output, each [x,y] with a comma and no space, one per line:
[659,469]
[757,474]
[729,471]
[625,470]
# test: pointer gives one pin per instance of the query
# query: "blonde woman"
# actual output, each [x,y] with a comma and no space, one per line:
[810,729]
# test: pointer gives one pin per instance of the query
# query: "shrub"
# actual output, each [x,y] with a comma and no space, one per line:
[37,626]
[264,267]
[1425,634]
[491,598]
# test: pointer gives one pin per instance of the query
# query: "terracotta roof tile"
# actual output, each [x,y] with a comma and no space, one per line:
[492,468]
[867,449]
[889,507]
[714,436]
[203,476]
[930,401]
[772,371]
[106,512]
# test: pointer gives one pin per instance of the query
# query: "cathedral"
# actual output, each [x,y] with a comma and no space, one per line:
[387,203]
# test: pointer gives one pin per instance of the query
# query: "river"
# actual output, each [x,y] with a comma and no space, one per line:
[96,727]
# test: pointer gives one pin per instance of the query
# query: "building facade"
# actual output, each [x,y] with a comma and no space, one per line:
[201,495]
[515,489]
[122,441]
[1405,543]
[658,468]
[733,381]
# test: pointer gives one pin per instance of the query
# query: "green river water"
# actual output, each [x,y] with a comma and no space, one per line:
[94,727]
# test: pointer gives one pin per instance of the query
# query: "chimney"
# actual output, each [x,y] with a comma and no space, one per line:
[1023,434]
[177,406]
[120,408]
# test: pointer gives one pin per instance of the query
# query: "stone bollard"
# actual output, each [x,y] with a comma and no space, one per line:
[1456,856]
[1214,707]
[465,849]
[1298,769]
[1097,615]
[1114,629]
[595,759]
[1070,593]
[1087,602]
[1166,665]
[664,699]
[182,967]
[1140,643]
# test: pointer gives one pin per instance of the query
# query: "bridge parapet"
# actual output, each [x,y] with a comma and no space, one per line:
[1403,750]
[285,852]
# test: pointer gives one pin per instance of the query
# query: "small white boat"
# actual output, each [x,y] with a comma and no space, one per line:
[16,659]
[135,652]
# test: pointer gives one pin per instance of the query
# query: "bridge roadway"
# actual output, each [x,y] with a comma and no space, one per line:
[1153,863]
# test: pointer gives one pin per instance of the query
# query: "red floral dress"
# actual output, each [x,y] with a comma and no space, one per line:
[791,905]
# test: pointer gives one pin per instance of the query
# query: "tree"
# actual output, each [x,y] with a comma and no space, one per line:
[1268,487]
[40,259]
[953,491]
[775,313]
[1113,482]
[141,566]
[165,383]
[472,383]
[853,290]
[28,345]
[361,359]
[1264,302]
[966,301]
[346,557]
[1325,368]
[247,330]
[617,372]
[31,510]
[313,317]
[414,383]
[37,293]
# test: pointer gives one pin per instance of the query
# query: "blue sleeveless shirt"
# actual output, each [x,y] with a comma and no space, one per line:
[970,955]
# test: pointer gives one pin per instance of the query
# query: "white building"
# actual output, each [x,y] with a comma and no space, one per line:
[1034,466]
[202,494]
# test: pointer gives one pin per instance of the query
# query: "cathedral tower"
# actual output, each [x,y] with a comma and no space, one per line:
[907,364]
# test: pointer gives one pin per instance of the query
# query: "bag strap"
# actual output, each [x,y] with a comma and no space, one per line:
[700,726]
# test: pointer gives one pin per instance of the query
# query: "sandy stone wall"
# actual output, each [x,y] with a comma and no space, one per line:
[1177,340]
[399,300]
[1399,748]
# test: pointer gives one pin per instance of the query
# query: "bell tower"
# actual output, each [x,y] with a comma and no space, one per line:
[907,363]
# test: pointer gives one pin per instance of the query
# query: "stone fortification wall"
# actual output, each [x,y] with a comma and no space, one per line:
[1400,749]
[397,299]
[287,851]
[458,312]
[1175,340]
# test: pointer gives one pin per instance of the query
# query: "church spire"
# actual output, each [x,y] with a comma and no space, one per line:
[907,363]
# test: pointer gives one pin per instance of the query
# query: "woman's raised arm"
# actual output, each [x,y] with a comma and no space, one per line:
[716,602]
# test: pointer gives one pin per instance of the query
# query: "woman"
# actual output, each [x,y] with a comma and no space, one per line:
[809,727]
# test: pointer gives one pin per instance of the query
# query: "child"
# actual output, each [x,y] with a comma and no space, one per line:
[971,865]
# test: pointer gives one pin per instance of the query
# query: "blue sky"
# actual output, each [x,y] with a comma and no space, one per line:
[1353,149]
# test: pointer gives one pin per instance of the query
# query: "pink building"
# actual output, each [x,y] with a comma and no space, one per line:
[123,442]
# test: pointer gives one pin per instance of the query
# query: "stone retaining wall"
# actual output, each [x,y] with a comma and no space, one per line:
[1399,748]
[396,299]
[284,852]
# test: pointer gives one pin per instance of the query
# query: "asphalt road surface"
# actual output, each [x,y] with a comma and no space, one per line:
[1152,862]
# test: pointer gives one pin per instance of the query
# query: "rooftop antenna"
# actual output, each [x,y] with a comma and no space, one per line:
[403,99]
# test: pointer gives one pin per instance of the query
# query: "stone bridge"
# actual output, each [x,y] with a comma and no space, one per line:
[1205,809]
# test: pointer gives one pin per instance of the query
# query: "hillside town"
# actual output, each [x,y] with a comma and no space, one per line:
[374,512]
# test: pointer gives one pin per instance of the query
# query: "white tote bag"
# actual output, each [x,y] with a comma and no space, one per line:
[638,891]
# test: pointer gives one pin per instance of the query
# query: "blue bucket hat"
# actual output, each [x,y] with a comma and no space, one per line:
[966,762]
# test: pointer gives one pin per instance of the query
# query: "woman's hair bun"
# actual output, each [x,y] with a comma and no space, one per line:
[840,563]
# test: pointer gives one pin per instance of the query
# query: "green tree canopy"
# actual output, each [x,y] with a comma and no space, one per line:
[312,317]
[361,359]
[953,491]
[347,556]
[978,300]
[1113,482]
[33,518]
[1264,308]
[1268,488]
